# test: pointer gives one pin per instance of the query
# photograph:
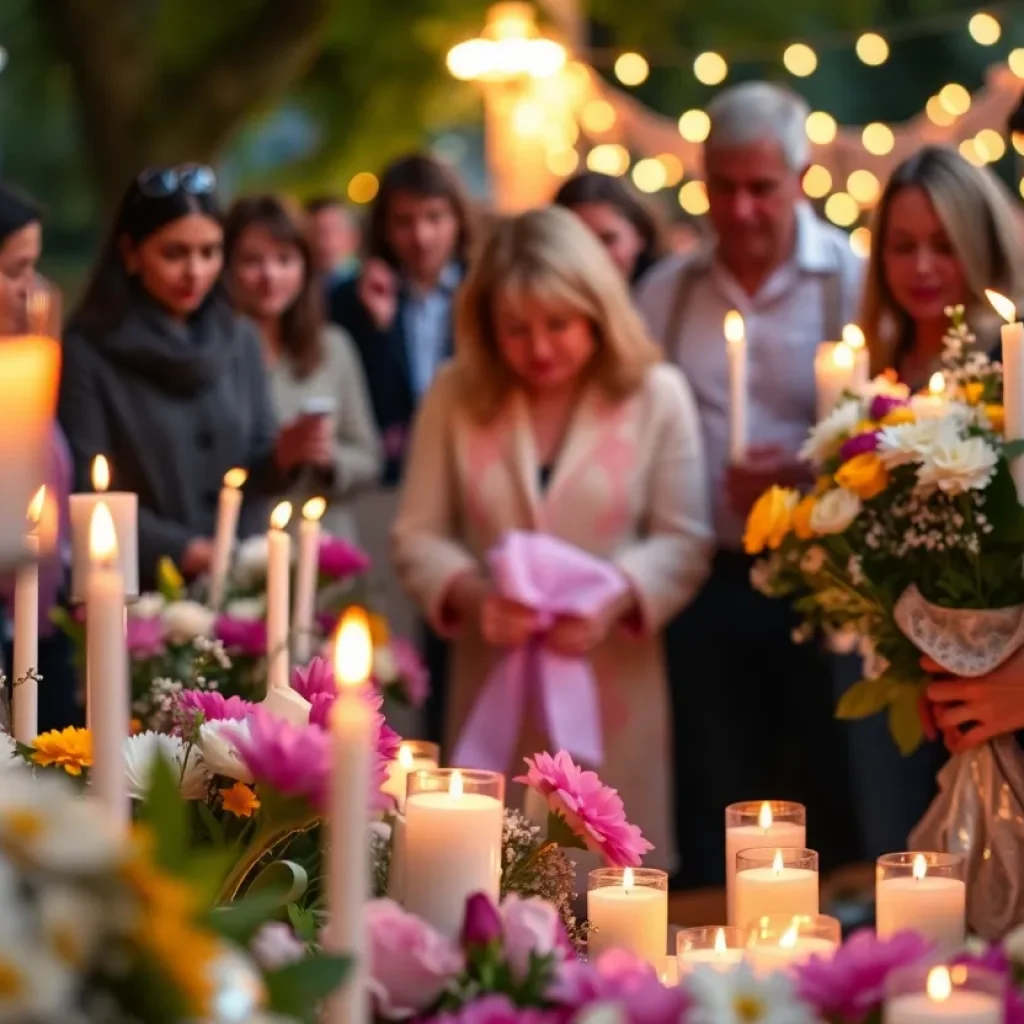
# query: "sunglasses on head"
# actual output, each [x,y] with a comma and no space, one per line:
[161,182]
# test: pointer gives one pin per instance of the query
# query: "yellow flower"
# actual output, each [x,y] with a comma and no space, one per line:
[898,416]
[973,391]
[770,519]
[864,427]
[996,417]
[168,576]
[864,475]
[823,484]
[70,748]
[240,800]
[379,632]
[802,517]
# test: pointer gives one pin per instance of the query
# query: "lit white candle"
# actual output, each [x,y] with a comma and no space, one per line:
[224,537]
[834,373]
[720,956]
[452,846]
[628,915]
[932,405]
[413,756]
[853,338]
[769,830]
[778,949]
[306,573]
[1012,334]
[929,903]
[279,567]
[347,853]
[25,690]
[942,1003]
[736,349]
[124,510]
[668,972]
[107,665]
[775,888]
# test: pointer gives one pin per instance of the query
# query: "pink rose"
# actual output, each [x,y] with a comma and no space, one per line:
[410,963]
[275,945]
[530,926]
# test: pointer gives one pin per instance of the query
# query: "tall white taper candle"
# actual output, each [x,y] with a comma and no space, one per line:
[279,568]
[305,578]
[228,507]
[1012,334]
[736,349]
[25,689]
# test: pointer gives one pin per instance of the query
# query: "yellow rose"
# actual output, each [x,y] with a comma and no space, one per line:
[770,519]
[802,517]
[864,475]
[900,415]
[973,392]
[997,417]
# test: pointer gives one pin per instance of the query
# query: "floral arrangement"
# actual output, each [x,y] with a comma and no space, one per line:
[912,491]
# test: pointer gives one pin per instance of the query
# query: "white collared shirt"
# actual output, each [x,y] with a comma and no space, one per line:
[785,320]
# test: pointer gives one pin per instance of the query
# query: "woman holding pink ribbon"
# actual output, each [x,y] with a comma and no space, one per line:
[554,516]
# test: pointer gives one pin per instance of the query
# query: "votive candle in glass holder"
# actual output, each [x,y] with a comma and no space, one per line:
[782,941]
[781,881]
[925,893]
[721,948]
[413,756]
[958,994]
[452,846]
[668,972]
[756,824]
[628,909]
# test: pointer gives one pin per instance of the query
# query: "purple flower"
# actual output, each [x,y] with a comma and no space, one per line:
[859,445]
[498,1009]
[316,678]
[145,638]
[482,924]
[851,984]
[213,706]
[882,405]
[247,636]
[411,670]
[339,559]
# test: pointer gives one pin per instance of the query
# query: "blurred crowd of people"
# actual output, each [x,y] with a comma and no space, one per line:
[444,376]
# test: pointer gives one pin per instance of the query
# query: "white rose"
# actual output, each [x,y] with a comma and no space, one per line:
[248,609]
[250,566]
[217,742]
[385,668]
[958,465]
[141,752]
[825,437]
[834,511]
[185,620]
[146,606]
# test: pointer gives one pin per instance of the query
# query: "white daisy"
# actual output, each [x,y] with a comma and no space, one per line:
[185,620]
[910,442]
[740,997]
[141,752]
[9,756]
[220,752]
[147,606]
[71,920]
[825,438]
[37,986]
[250,568]
[956,465]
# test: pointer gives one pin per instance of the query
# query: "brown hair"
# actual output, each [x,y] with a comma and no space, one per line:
[548,256]
[302,322]
[420,175]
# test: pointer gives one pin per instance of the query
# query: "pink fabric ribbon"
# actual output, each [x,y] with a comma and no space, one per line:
[554,579]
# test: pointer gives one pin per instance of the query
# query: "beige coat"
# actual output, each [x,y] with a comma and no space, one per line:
[629,485]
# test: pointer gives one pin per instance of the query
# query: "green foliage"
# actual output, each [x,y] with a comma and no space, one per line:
[867,697]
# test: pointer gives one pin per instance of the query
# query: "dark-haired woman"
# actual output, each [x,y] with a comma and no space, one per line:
[314,369]
[626,225]
[162,377]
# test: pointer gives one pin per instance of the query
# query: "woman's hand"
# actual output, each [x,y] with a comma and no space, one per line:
[505,623]
[971,711]
[575,636]
[305,441]
[197,557]
[378,292]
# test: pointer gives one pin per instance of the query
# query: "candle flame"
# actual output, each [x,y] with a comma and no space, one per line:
[765,818]
[1002,305]
[280,516]
[100,474]
[936,384]
[920,867]
[734,328]
[843,356]
[36,506]
[456,786]
[853,337]
[405,757]
[720,946]
[102,535]
[628,879]
[314,509]
[235,478]
[940,984]
[353,649]
[788,938]
[777,864]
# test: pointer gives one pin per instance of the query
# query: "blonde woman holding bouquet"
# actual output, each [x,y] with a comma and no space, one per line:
[557,425]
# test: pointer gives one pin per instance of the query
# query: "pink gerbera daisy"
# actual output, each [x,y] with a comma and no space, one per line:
[314,679]
[246,636]
[339,559]
[212,706]
[593,811]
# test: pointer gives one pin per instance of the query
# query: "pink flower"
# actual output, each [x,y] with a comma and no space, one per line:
[498,1009]
[593,811]
[294,760]
[213,706]
[247,636]
[276,945]
[410,964]
[531,927]
[316,678]
[859,445]
[411,670]
[482,923]
[145,638]
[850,985]
[339,559]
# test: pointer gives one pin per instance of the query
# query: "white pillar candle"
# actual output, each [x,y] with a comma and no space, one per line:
[786,941]
[347,854]
[943,1001]
[853,338]
[783,882]
[453,824]
[736,349]
[932,405]
[124,509]
[774,824]
[225,534]
[913,895]
[279,567]
[306,574]
[413,756]
[25,688]
[834,369]
[628,910]
[721,949]
[1012,334]
[107,665]
[396,866]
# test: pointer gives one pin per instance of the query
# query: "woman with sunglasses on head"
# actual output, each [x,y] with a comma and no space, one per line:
[164,379]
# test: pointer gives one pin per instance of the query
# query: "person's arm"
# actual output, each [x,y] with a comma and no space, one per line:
[437,571]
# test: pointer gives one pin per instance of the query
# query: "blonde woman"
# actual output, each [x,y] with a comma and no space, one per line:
[557,417]
[943,232]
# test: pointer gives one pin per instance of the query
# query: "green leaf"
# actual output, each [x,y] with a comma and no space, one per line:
[166,813]
[303,922]
[905,720]
[294,989]
[1003,508]
[213,827]
[1013,449]
[867,697]
[241,920]
[283,877]
[560,833]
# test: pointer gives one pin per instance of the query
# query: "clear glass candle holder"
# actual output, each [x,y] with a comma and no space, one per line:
[756,824]
[628,909]
[413,756]
[922,892]
[960,994]
[781,941]
[718,947]
[775,881]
